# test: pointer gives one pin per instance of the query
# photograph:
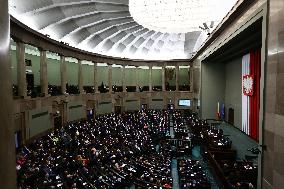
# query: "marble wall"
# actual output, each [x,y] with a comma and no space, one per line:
[7,150]
[273,156]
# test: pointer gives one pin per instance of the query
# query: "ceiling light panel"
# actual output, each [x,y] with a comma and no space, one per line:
[175,16]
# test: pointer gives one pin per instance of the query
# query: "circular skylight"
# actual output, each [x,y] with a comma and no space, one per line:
[173,16]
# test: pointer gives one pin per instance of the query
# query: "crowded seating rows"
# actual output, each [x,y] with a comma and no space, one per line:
[191,175]
[217,149]
[216,139]
[240,174]
[133,148]
[112,151]
[180,126]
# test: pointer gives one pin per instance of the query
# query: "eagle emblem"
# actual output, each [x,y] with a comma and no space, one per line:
[248,85]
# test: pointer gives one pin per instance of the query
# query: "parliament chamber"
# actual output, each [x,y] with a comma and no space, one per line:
[133,150]
[148,94]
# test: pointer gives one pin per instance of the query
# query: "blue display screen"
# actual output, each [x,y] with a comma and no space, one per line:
[184,102]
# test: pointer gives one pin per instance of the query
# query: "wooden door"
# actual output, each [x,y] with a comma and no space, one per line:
[117,109]
[231,116]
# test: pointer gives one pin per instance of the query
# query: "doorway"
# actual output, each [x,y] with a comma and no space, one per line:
[117,109]
[171,107]
[90,114]
[231,116]
[57,122]
[30,84]
[18,140]
[144,107]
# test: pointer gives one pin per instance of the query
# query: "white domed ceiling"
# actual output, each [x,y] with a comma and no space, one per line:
[154,30]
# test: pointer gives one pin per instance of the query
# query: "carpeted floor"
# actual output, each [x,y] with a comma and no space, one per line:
[171,124]
[196,152]
[157,148]
[240,141]
[175,174]
[211,178]
[131,187]
[172,132]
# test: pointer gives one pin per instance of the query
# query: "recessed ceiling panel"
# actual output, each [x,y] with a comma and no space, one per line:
[163,29]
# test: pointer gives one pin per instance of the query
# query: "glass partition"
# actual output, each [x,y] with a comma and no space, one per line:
[102,70]
[184,79]
[88,76]
[72,75]
[170,78]
[157,78]
[143,79]
[32,59]
[117,78]
[130,78]
[53,73]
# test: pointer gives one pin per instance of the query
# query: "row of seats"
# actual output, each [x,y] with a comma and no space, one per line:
[217,149]
[112,151]
[191,175]
[134,148]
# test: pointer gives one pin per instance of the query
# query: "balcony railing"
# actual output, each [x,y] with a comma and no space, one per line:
[103,89]
[144,88]
[89,89]
[54,90]
[34,91]
[72,89]
[170,88]
[117,88]
[131,88]
[184,88]
[157,88]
